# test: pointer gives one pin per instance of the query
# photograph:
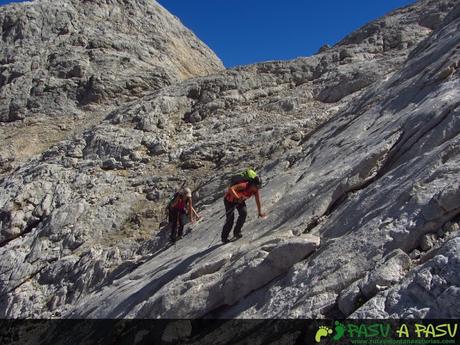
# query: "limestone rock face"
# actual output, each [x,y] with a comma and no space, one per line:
[429,291]
[358,149]
[72,53]
[75,60]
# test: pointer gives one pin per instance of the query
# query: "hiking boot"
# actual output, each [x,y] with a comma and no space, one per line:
[238,236]
[225,240]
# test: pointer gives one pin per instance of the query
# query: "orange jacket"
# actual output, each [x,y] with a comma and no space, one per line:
[240,192]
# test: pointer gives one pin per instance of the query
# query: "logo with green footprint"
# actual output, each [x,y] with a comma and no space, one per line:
[325,331]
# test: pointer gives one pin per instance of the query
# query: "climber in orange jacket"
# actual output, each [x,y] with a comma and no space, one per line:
[235,199]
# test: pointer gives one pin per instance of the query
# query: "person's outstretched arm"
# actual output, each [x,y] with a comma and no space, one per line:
[195,213]
[259,205]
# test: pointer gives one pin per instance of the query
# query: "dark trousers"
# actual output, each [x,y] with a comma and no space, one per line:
[177,220]
[230,218]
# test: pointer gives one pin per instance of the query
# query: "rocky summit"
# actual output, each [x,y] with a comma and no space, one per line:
[108,107]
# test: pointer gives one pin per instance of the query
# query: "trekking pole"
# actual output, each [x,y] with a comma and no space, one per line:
[226,213]
[217,233]
[213,240]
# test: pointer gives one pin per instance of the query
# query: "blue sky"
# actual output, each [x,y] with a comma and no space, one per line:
[3,2]
[247,31]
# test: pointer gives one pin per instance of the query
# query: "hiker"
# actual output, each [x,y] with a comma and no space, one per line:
[235,198]
[178,208]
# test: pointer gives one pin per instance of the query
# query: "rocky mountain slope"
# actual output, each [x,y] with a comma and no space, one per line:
[76,60]
[358,147]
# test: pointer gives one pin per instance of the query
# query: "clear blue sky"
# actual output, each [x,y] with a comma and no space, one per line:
[248,31]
